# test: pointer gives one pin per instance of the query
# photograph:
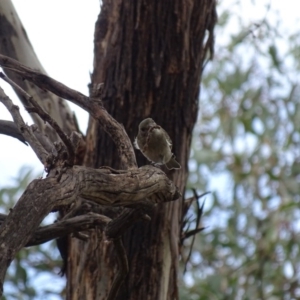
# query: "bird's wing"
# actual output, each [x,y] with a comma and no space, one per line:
[169,143]
[135,144]
[168,139]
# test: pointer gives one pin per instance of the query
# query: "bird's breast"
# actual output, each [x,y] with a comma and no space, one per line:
[158,149]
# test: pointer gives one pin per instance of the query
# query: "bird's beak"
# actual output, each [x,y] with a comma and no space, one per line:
[153,127]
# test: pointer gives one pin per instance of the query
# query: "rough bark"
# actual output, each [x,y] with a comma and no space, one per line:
[129,188]
[150,56]
[67,184]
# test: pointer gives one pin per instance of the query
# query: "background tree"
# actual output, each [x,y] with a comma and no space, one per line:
[246,148]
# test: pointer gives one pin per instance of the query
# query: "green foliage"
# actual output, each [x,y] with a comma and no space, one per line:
[35,269]
[246,151]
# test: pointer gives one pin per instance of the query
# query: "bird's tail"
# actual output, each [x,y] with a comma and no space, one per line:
[173,164]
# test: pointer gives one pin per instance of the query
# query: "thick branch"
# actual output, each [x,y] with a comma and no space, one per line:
[91,105]
[65,227]
[128,188]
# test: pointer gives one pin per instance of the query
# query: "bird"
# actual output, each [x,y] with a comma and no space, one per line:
[155,144]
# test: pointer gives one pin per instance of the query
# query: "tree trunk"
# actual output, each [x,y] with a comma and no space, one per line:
[150,56]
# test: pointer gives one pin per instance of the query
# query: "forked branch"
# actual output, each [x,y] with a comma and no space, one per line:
[35,108]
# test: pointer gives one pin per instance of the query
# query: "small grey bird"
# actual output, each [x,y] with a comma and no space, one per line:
[155,144]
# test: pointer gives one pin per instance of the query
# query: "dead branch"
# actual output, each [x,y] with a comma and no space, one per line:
[9,128]
[64,227]
[129,188]
[92,105]
[36,108]
[24,129]
[192,233]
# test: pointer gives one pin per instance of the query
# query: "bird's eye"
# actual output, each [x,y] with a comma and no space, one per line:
[143,129]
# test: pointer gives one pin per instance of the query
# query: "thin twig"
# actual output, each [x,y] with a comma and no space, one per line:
[39,150]
[197,228]
[192,233]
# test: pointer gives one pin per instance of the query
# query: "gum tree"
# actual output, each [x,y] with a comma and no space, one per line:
[148,61]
